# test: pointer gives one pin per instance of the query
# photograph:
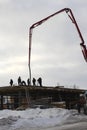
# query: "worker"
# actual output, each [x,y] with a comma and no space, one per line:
[81,103]
[11,82]
[34,82]
[28,81]
[19,81]
[23,83]
[40,81]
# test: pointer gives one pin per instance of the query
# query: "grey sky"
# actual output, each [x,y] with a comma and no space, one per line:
[56,54]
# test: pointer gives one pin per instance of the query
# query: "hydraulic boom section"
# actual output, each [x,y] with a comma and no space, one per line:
[72,18]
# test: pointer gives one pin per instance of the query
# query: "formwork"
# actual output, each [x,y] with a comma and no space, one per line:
[13,97]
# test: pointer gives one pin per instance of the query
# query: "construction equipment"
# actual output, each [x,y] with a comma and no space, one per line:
[72,18]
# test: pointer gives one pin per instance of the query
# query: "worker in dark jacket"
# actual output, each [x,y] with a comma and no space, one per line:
[34,82]
[81,103]
[11,82]
[40,81]
[28,81]
[23,83]
[19,80]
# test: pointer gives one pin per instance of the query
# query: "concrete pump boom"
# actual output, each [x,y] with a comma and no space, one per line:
[71,16]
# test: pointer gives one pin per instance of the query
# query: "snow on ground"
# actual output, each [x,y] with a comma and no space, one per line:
[39,118]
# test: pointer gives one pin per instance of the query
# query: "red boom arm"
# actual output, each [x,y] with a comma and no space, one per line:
[71,16]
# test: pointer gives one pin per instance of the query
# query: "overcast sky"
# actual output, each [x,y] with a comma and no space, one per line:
[56,54]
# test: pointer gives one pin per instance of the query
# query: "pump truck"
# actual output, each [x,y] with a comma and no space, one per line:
[69,12]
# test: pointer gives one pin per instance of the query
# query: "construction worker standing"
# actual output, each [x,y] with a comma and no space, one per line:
[40,81]
[11,82]
[28,81]
[81,103]
[34,82]
[19,81]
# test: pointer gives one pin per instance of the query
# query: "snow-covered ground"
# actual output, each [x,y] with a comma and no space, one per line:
[39,119]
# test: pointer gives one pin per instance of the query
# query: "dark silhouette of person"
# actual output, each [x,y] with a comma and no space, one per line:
[23,83]
[19,80]
[11,82]
[81,103]
[34,82]
[40,81]
[28,81]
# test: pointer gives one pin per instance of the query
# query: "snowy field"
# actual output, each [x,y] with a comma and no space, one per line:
[42,119]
